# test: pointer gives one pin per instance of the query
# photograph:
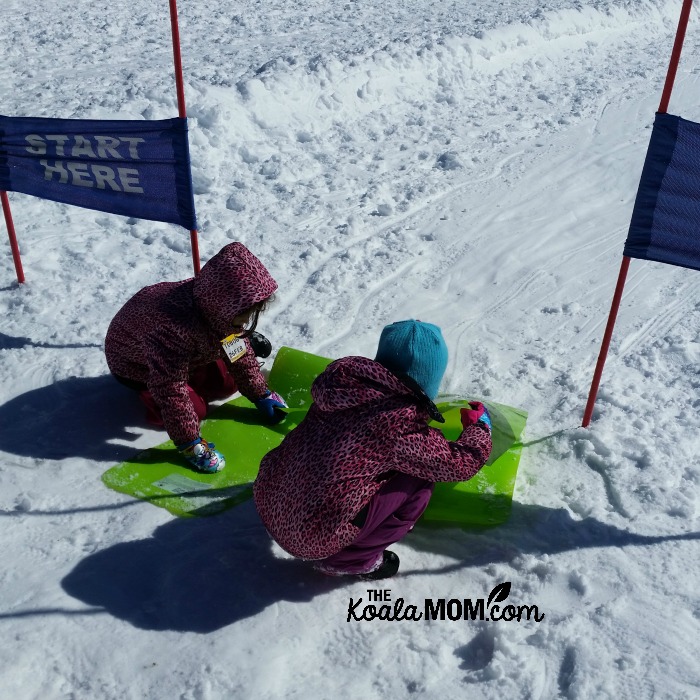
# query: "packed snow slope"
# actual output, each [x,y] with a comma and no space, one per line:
[469,164]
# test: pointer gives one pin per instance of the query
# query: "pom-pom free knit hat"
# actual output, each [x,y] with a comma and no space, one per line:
[417,349]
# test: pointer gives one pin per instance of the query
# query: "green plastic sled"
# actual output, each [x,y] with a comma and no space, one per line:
[157,474]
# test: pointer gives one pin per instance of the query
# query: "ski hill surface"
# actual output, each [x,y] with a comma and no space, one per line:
[473,165]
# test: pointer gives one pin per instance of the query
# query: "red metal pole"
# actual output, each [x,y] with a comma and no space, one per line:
[175,30]
[663,107]
[182,112]
[13,238]
[675,55]
[606,340]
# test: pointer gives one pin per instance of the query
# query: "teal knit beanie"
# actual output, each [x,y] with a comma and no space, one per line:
[416,349]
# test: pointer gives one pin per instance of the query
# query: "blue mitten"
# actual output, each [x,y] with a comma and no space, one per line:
[202,456]
[270,404]
[477,413]
[485,418]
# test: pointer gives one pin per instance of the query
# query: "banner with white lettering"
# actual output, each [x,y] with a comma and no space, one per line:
[132,168]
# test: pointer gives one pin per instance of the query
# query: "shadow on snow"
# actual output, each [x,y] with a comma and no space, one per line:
[200,575]
[74,417]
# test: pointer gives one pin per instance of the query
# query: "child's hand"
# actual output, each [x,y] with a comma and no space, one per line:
[476,414]
[270,404]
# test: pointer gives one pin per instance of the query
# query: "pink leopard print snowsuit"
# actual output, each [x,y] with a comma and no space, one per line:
[169,329]
[363,426]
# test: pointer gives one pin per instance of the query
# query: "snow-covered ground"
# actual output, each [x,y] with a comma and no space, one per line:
[469,164]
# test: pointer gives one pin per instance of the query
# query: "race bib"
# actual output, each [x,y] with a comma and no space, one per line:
[234,347]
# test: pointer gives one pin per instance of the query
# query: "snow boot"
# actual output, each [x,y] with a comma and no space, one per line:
[202,456]
[388,567]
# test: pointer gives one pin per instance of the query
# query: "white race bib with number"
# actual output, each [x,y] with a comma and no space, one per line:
[234,347]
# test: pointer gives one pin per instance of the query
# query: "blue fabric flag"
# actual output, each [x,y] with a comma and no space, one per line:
[132,168]
[665,224]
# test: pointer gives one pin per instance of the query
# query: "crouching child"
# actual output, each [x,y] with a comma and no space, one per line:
[359,470]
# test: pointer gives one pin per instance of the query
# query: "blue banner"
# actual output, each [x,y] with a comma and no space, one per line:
[133,168]
[665,224]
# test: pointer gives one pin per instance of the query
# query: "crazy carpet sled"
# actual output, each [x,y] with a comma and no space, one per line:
[157,475]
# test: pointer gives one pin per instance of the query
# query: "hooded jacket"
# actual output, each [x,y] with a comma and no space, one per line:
[363,426]
[167,330]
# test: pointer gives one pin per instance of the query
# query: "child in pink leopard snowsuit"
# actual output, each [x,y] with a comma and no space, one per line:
[166,342]
[359,470]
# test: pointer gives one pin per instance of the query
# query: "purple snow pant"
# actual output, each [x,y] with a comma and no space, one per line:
[391,513]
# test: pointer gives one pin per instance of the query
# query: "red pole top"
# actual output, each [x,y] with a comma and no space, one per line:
[182,112]
[675,55]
